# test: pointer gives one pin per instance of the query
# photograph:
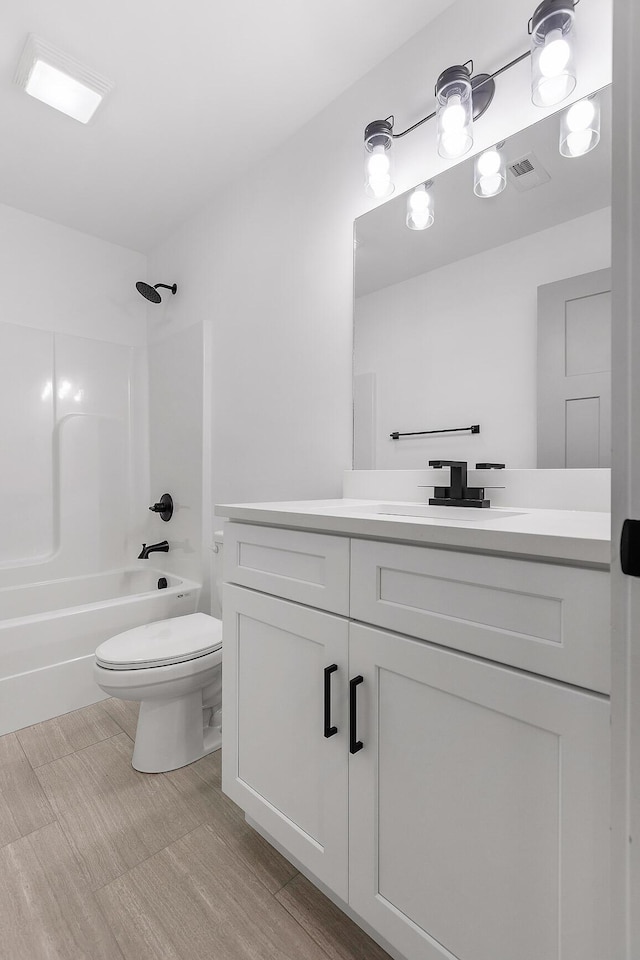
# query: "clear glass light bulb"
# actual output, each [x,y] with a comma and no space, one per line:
[556,54]
[580,115]
[419,209]
[454,115]
[490,175]
[378,163]
[419,200]
[379,173]
[489,163]
[580,128]
[579,142]
[492,185]
[455,144]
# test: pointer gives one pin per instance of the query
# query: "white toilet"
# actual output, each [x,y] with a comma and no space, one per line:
[173,667]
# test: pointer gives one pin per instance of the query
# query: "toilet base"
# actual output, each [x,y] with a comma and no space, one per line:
[170,734]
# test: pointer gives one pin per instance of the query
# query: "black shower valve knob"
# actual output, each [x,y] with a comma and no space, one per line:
[164,507]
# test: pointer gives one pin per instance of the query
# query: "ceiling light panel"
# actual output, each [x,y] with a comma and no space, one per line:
[59,80]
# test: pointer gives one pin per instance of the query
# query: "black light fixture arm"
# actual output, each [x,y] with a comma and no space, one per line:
[482,80]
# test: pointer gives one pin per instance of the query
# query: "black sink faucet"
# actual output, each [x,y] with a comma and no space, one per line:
[458,494]
[162,547]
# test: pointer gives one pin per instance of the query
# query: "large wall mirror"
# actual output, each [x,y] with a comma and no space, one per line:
[498,315]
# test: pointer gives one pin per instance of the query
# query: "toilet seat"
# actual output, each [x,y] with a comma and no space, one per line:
[162,643]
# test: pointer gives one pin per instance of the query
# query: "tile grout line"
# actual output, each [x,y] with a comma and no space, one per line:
[125,873]
[24,836]
[35,767]
[295,920]
[81,750]
[204,822]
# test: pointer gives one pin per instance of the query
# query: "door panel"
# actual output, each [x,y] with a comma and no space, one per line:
[574,372]
[478,807]
[278,765]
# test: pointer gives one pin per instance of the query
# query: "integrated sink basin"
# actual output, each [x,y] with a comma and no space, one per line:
[429,512]
[424,511]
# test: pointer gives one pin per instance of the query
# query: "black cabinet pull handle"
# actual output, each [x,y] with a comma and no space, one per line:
[354,743]
[630,548]
[328,729]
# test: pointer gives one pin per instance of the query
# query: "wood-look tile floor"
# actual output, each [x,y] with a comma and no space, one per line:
[99,862]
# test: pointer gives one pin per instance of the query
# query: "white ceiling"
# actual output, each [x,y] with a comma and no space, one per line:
[202,88]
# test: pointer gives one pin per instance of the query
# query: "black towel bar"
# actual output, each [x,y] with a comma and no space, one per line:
[475,428]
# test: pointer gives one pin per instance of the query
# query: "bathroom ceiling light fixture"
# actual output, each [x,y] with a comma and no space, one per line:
[580,127]
[151,292]
[50,75]
[553,71]
[378,139]
[490,172]
[420,214]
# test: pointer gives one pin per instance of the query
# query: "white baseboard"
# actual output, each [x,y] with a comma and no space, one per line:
[38,695]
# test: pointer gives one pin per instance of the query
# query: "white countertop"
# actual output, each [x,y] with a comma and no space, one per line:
[573,536]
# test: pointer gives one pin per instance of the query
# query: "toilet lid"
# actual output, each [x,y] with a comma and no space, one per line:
[162,643]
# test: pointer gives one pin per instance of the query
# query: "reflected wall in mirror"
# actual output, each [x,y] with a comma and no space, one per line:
[498,314]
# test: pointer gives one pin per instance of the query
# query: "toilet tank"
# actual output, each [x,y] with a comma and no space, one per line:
[217,573]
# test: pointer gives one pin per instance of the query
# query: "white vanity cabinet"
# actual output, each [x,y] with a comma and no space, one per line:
[458,806]
[278,764]
[478,823]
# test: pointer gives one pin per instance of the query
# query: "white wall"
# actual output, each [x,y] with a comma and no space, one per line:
[458,345]
[176,449]
[266,266]
[72,400]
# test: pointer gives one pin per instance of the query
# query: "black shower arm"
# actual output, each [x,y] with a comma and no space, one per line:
[166,286]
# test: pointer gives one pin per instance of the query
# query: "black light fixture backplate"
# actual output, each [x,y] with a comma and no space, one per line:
[483,88]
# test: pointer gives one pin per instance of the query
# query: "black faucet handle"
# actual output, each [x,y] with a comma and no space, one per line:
[447,463]
[164,507]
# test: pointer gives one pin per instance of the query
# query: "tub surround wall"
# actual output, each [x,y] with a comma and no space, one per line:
[73,428]
[72,401]
[176,445]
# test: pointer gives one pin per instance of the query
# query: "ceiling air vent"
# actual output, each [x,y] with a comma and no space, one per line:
[527,172]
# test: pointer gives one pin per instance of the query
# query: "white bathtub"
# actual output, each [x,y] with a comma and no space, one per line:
[49,632]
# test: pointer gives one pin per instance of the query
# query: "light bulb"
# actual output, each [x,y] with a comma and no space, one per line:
[491,186]
[555,54]
[488,163]
[455,112]
[378,163]
[378,159]
[580,128]
[553,72]
[419,208]
[455,144]
[454,116]
[419,200]
[490,175]
[580,116]
[578,142]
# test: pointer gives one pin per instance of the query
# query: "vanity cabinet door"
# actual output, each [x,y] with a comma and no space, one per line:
[478,807]
[278,765]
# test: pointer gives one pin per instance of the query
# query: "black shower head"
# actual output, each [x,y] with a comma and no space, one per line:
[151,293]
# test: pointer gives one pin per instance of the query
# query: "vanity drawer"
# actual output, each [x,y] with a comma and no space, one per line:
[545,618]
[309,568]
